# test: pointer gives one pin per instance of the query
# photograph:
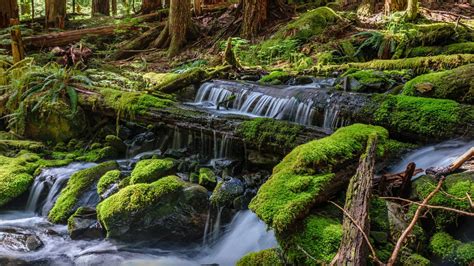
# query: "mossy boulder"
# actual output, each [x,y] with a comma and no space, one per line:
[107,181]
[374,80]
[83,224]
[309,172]
[416,260]
[456,84]
[456,185]
[226,192]
[207,178]
[11,147]
[267,257]
[276,78]
[81,183]
[150,170]
[167,209]
[449,249]
[116,143]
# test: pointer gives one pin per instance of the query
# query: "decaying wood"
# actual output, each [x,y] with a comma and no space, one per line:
[139,43]
[353,249]
[438,171]
[229,56]
[18,51]
[398,184]
[433,206]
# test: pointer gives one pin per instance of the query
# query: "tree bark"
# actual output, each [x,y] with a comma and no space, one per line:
[100,7]
[55,13]
[197,7]
[257,12]
[366,8]
[149,6]
[354,249]
[18,52]
[114,7]
[412,9]
[394,5]
[8,10]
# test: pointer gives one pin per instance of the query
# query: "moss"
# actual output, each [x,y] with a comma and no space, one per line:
[147,171]
[79,182]
[269,131]
[160,78]
[456,84]
[446,247]
[267,257]
[207,178]
[124,182]
[422,117]
[318,236]
[374,81]
[378,214]
[109,178]
[456,185]
[96,155]
[17,145]
[455,48]
[416,260]
[307,171]
[275,78]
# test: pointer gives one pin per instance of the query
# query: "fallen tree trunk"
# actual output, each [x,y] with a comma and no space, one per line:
[139,43]
[353,249]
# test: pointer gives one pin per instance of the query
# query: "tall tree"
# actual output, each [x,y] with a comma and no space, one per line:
[149,6]
[179,28]
[8,10]
[412,9]
[101,7]
[257,12]
[395,5]
[55,12]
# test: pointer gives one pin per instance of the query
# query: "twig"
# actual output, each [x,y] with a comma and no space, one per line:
[398,246]
[470,199]
[431,206]
[307,254]
[372,250]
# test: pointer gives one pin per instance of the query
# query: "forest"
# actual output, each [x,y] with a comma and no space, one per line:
[237,132]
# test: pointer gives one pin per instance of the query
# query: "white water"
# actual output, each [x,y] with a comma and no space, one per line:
[437,155]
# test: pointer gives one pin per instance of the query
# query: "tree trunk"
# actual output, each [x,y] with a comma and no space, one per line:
[354,249]
[101,7]
[179,28]
[114,7]
[55,13]
[257,12]
[8,10]
[18,53]
[366,8]
[394,5]
[412,9]
[149,6]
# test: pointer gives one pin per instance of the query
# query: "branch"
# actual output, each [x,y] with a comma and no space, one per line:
[398,246]
[431,206]
[372,250]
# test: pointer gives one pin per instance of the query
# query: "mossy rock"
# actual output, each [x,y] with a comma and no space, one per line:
[79,183]
[449,249]
[83,224]
[226,192]
[107,180]
[167,209]
[456,84]
[116,143]
[207,178]
[373,80]
[14,146]
[150,170]
[308,171]
[276,78]
[455,48]
[99,154]
[267,257]
[416,260]
[456,185]
[319,236]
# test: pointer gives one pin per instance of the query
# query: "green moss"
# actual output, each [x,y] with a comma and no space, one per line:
[160,78]
[456,84]
[17,145]
[318,236]
[147,171]
[374,81]
[96,155]
[416,260]
[267,257]
[109,178]
[136,198]
[275,78]
[378,214]
[449,249]
[79,182]
[422,117]
[307,171]
[269,131]
[455,48]
[207,178]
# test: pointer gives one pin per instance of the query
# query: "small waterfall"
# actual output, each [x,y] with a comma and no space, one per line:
[217,224]
[176,139]
[51,181]
[330,117]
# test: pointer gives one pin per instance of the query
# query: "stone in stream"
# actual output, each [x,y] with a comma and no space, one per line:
[83,224]
[226,192]
[16,240]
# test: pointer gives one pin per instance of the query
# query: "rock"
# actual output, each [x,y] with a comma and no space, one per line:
[263,159]
[168,209]
[147,171]
[83,224]
[302,80]
[108,183]
[16,240]
[116,143]
[176,153]
[226,191]
[141,143]
[207,178]
[255,179]
[250,77]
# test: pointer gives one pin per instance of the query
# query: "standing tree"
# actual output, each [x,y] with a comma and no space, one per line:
[395,5]
[55,12]
[412,9]
[101,7]
[366,8]
[149,6]
[179,28]
[8,10]
[257,12]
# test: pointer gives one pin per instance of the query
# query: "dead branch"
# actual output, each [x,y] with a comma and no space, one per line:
[430,206]
[407,231]
[438,171]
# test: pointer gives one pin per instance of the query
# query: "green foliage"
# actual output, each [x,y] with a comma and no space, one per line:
[109,178]
[81,181]
[269,131]
[267,257]
[147,171]
[416,260]
[449,249]
[308,170]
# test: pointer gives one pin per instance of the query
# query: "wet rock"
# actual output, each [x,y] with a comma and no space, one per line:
[141,142]
[226,191]
[302,80]
[83,224]
[250,77]
[147,171]
[176,153]
[256,179]
[116,143]
[19,241]
[263,159]
[207,178]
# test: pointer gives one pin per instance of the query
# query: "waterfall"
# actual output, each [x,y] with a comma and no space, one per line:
[51,181]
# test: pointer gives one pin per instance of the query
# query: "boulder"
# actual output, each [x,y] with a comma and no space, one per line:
[83,224]
[168,209]
[207,178]
[150,170]
[226,192]
[16,240]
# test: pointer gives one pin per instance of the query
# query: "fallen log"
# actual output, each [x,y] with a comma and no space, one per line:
[139,43]
[397,184]
[354,248]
